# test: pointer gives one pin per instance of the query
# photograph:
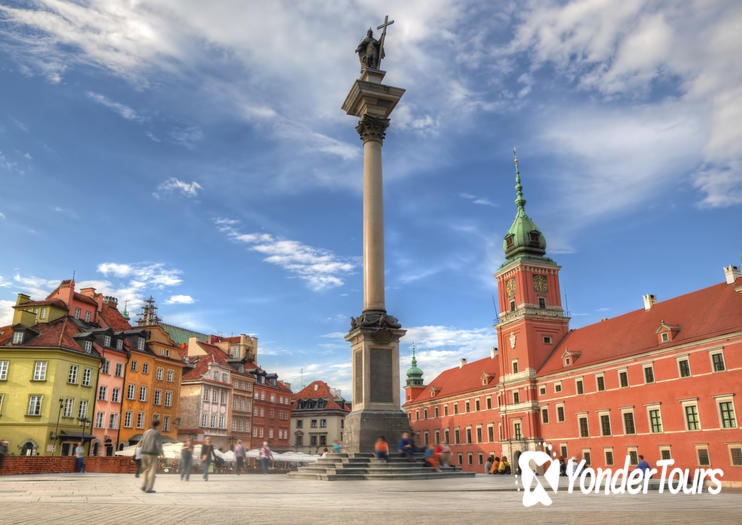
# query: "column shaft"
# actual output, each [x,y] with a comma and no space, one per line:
[373,227]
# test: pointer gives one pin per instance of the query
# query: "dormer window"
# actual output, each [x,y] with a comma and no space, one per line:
[140,343]
[87,316]
[119,344]
[666,333]
[665,337]
[567,361]
[107,341]
[88,346]
[77,313]
[18,337]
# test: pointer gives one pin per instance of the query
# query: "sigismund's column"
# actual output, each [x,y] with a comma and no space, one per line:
[374,335]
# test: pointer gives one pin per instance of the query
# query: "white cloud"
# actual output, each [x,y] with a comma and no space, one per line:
[2,216]
[622,51]
[180,299]
[122,110]
[175,185]
[6,312]
[439,348]
[3,283]
[116,269]
[319,268]
[136,280]
[37,287]
[477,200]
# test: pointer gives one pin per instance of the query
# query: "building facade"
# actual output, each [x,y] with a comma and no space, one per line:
[48,380]
[663,381]
[317,418]
[271,418]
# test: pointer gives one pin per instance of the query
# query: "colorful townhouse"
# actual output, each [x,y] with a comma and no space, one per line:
[48,381]
[206,395]
[317,417]
[663,381]
[271,418]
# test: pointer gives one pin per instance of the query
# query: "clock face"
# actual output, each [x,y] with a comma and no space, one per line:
[510,287]
[539,283]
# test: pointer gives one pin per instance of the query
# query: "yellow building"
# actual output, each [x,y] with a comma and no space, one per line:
[48,381]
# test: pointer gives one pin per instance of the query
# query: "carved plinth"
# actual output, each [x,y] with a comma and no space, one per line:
[374,338]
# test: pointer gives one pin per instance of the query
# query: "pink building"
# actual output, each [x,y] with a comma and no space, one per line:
[106,324]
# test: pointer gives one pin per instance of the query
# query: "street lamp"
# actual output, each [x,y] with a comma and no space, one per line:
[56,434]
[84,423]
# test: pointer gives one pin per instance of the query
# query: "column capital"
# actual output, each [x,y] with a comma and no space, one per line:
[372,128]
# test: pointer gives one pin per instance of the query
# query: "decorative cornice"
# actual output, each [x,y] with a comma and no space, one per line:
[376,324]
[372,128]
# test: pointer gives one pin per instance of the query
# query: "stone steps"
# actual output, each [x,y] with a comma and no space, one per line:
[362,466]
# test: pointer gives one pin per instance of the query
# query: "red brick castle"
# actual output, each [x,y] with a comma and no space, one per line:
[664,381]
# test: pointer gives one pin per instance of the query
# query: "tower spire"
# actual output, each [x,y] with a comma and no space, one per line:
[520,201]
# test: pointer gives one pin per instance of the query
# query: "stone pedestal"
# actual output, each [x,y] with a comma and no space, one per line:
[374,339]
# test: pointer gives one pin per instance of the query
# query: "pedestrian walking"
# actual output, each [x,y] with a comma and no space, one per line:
[643,466]
[207,456]
[80,457]
[138,458]
[265,456]
[186,460]
[239,456]
[151,451]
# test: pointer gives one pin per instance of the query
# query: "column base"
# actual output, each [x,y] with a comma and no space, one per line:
[364,426]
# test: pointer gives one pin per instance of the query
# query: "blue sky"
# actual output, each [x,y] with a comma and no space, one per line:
[197,152]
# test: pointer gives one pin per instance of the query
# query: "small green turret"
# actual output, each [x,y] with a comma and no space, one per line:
[414,374]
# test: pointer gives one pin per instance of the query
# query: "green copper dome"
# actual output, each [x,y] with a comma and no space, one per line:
[414,374]
[523,238]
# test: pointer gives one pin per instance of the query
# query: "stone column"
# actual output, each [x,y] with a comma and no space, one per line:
[371,129]
[374,335]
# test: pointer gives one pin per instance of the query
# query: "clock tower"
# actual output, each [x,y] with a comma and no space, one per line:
[531,319]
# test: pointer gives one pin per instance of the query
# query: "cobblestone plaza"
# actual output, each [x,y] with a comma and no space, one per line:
[116,498]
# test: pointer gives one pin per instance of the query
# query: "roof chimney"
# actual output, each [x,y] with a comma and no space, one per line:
[731,273]
[493,352]
[462,362]
[649,300]
[110,301]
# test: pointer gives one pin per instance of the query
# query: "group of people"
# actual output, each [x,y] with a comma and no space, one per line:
[497,465]
[434,457]
[149,451]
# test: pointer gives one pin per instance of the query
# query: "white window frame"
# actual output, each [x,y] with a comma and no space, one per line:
[39,371]
[168,398]
[544,411]
[558,387]
[72,375]
[684,358]
[727,398]
[644,374]
[102,391]
[708,455]
[34,405]
[693,403]
[127,419]
[115,395]
[723,361]
[598,377]
[140,419]
[170,376]
[605,456]
[160,373]
[623,421]
[82,411]
[140,343]
[514,366]
[650,408]
[87,316]
[623,371]
[602,413]
[145,368]
[87,376]
[143,394]
[69,404]
[107,341]
[4,366]
[556,412]
[99,418]
[18,337]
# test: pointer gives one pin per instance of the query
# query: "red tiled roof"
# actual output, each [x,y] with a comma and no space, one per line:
[699,315]
[460,380]
[58,333]
[113,318]
[85,299]
[53,302]
[322,392]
